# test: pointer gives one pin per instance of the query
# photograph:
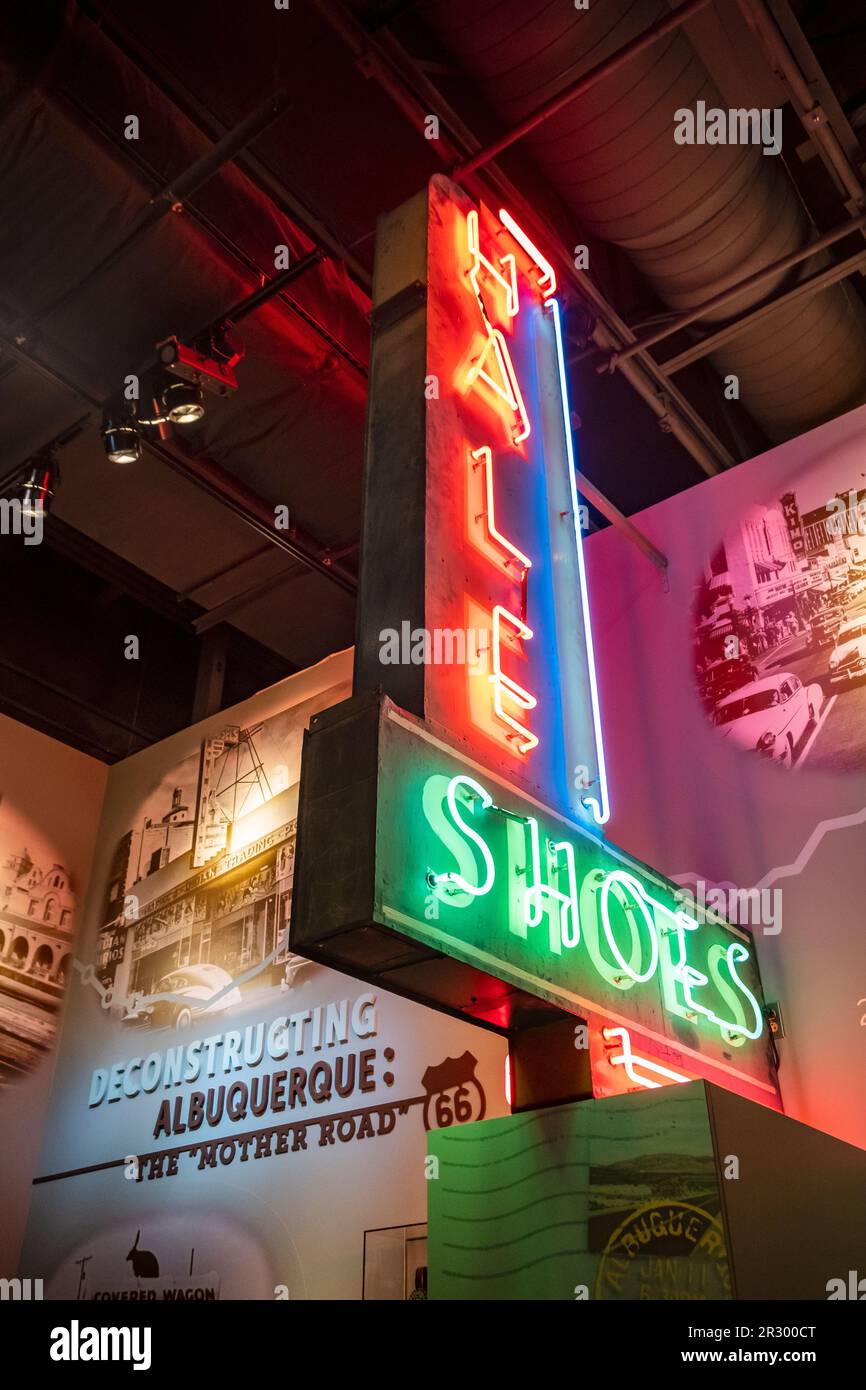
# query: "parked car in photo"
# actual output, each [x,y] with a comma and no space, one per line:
[848,657]
[723,676]
[770,715]
[823,627]
[192,986]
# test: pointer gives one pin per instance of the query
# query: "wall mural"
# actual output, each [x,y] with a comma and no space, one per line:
[780,625]
[194,915]
[216,1094]
[37,923]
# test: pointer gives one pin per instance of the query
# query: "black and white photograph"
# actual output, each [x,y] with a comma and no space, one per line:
[780,627]
[196,911]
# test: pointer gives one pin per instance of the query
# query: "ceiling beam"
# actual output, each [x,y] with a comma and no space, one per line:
[221,611]
[246,504]
[804,290]
[819,119]
[208,125]
[143,588]
[718,301]
[170,199]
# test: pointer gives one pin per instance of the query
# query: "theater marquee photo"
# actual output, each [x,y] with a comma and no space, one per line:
[432,714]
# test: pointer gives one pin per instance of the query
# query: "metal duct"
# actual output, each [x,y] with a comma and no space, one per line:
[696,219]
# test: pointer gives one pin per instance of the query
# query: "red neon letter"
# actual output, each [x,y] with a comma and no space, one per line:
[504,383]
[485,455]
[505,687]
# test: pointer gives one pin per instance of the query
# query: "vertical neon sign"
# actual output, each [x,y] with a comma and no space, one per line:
[473,559]
[504,544]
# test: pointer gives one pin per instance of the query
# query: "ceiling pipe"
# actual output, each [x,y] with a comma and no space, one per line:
[647,377]
[218,482]
[688,216]
[674,413]
[85,120]
[613,63]
[806,288]
[253,301]
[621,521]
[255,512]
[752,282]
[258,297]
[663,406]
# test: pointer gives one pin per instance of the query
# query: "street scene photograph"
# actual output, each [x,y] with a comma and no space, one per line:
[780,627]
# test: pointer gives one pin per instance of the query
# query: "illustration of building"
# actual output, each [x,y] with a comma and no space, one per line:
[37,913]
[763,582]
[213,889]
[836,533]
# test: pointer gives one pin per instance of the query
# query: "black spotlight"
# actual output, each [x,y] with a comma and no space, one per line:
[182,402]
[39,484]
[121,438]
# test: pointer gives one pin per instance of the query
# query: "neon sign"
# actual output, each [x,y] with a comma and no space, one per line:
[504,554]
[449,812]
[472,867]
[604,895]
[635,1066]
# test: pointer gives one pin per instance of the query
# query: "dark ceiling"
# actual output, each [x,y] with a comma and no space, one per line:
[108,245]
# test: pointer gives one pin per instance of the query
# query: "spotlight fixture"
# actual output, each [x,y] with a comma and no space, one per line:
[182,401]
[39,484]
[209,361]
[121,438]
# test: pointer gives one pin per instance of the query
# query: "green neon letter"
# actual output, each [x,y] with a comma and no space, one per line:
[737,952]
[623,886]
[466,879]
